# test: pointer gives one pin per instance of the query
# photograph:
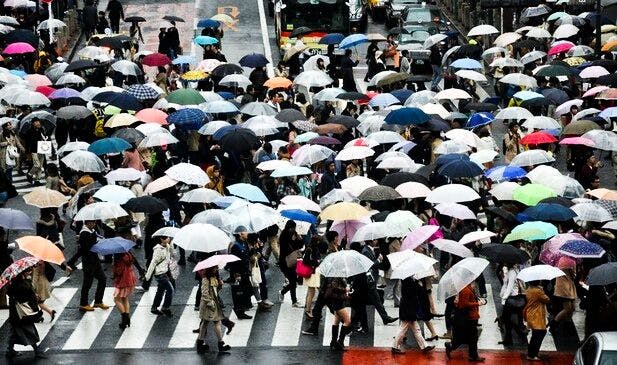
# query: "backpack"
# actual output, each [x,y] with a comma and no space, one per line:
[99,132]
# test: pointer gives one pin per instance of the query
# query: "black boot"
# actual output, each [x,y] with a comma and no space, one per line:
[334,336]
[223,347]
[122,323]
[228,323]
[345,330]
[201,346]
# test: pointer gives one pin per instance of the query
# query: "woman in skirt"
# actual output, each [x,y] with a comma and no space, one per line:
[337,300]
[210,310]
[312,258]
[124,284]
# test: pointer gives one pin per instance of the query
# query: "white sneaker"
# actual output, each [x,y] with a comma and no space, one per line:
[298,305]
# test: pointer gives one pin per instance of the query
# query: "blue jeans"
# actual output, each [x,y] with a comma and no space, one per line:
[164,287]
[437,75]
[4,196]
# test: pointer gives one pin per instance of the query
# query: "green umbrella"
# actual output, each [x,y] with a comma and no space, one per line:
[531,231]
[532,194]
[530,234]
[556,70]
[185,97]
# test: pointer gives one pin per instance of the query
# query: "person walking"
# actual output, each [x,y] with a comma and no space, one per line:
[239,272]
[159,268]
[10,148]
[290,244]
[124,284]
[535,316]
[210,310]
[408,313]
[42,288]
[91,266]
[465,329]
[5,261]
[115,13]
[33,136]
[347,65]
[565,293]
[435,59]
[512,142]
[312,258]
[337,300]
[89,18]
[513,302]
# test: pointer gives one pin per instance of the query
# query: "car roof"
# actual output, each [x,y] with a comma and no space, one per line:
[608,340]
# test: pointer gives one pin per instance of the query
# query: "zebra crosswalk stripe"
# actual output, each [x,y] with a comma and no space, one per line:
[183,336]
[89,326]
[133,337]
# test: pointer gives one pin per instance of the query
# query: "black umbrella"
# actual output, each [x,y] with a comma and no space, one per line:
[131,135]
[21,35]
[346,120]
[558,200]
[504,253]
[81,65]
[604,274]
[299,31]
[239,140]
[145,204]
[123,100]
[381,216]
[499,212]
[115,42]
[225,69]
[529,44]
[397,30]
[173,18]
[290,115]
[435,125]
[419,78]
[608,80]
[479,107]
[133,19]
[555,96]
[395,179]
[351,95]
[556,70]
[73,112]
[48,121]
[609,65]
[379,193]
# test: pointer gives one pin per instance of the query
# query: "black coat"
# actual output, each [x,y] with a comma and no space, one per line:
[408,308]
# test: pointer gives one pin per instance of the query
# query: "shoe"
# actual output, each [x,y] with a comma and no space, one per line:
[476,359]
[533,358]
[229,324]
[428,349]
[10,354]
[156,311]
[262,307]
[309,332]
[242,315]
[389,320]
[101,305]
[297,305]
[167,312]
[448,350]
[223,347]
[53,315]
[201,346]
[446,336]
[86,308]
[432,338]
[396,351]
[267,302]
[196,331]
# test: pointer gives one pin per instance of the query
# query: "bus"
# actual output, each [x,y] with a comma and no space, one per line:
[321,16]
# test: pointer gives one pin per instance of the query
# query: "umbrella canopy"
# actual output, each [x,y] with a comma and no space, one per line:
[41,248]
[549,212]
[16,268]
[100,211]
[371,231]
[357,184]
[248,192]
[604,274]
[603,140]
[504,253]
[14,219]
[407,116]
[109,145]
[84,161]
[460,169]
[591,212]
[532,194]
[531,231]
[42,197]
[216,260]
[188,173]
[112,245]
[409,263]
[532,158]
[402,222]
[202,237]
[412,190]
[539,273]
[200,195]
[343,264]
[145,204]
[185,97]
[379,193]
[252,218]
[459,276]
[217,217]
[418,236]
[455,210]
[123,174]
[114,193]
[344,211]
[582,249]
[239,140]
[452,193]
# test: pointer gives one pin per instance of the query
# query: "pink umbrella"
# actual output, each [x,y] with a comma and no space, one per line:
[417,237]
[349,227]
[595,90]
[159,184]
[582,141]
[37,80]
[216,260]
[550,254]
[593,72]
[18,48]
[559,48]
[566,262]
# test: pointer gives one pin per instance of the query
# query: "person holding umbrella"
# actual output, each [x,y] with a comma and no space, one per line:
[466,316]
[336,298]
[116,12]
[535,316]
[210,310]
[513,302]
[159,268]
[5,261]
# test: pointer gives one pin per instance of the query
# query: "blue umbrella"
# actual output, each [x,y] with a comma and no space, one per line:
[407,116]
[548,212]
[582,249]
[183,60]
[467,63]
[204,40]
[19,73]
[446,159]
[459,169]
[353,40]
[254,60]
[223,131]
[402,94]
[479,119]
[501,173]
[383,100]
[123,100]
[208,23]
[112,245]
[610,112]
[226,95]
[15,219]
[220,106]
[332,38]
[226,201]
[526,95]
[188,118]
[299,215]
[65,93]
[109,145]
[248,192]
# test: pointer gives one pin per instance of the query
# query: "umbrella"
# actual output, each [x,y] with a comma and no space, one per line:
[202,237]
[483,29]
[200,195]
[225,69]
[254,60]
[412,190]
[531,158]
[217,217]
[185,97]
[539,273]
[555,70]
[204,40]
[467,63]
[239,140]
[531,231]
[288,171]
[278,82]
[108,146]
[121,120]
[187,118]
[343,264]
[188,173]
[582,249]
[121,100]
[407,116]
[336,195]
[248,192]
[332,38]
[471,75]
[379,193]
[216,260]
[604,274]
[579,128]
[537,138]
[591,212]
[18,48]
[402,222]
[41,248]
[156,59]
[114,193]
[504,253]
[603,193]
[123,174]
[395,179]
[157,139]
[310,79]
[541,122]
[452,94]
[603,140]
[145,204]
[100,211]
[308,155]
[455,210]
[17,267]
[354,153]
[505,173]
[150,115]
[549,212]
[409,263]
[301,201]
[460,169]
[459,276]
[344,211]
[131,135]
[143,92]
[298,215]
[258,108]
[532,194]
[452,193]
[353,40]
[252,218]
[42,197]
[84,161]
[418,236]
[112,245]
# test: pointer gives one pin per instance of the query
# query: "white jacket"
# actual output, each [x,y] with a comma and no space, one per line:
[160,261]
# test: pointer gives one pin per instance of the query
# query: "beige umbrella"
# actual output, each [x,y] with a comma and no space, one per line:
[43,197]
[121,120]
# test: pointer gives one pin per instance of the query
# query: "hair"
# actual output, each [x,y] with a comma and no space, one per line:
[272,93]
[512,124]
[52,169]
[267,147]
[348,52]
[301,98]
[289,225]
[331,235]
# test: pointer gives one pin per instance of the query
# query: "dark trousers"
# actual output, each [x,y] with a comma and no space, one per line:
[92,271]
[114,24]
[469,336]
[448,313]
[198,294]
[290,274]
[163,288]
[535,342]
[509,324]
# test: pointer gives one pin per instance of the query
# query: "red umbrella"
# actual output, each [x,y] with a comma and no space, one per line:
[45,90]
[560,48]
[156,59]
[538,138]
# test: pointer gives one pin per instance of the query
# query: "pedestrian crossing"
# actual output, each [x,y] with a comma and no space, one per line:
[281,327]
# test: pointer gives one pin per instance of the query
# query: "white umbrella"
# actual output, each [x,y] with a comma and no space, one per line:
[399,162]
[455,210]
[385,137]
[504,190]
[410,263]
[301,201]
[73,146]
[591,212]
[433,40]
[593,72]
[452,94]
[531,158]
[151,128]
[114,193]
[310,79]
[584,113]
[188,173]
[506,38]
[235,80]
[343,264]
[483,156]
[212,127]
[262,125]
[519,79]
[51,23]
[354,153]
[378,76]
[565,107]
[610,225]
[565,31]
[532,56]
[580,51]
[448,147]
[70,79]
[200,195]
[30,98]
[255,108]
[539,273]
[483,29]
[494,50]
[157,140]
[604,140]
[471,75]
[357,184]
[452,247]
[202,237]
[372,231]
[84,161]
[541,122]
[159,184]
[166,232]
[254,217]
[335,196]
[412,190]
[291,171]
[100,211]
[452,193]
[537,32]
[126,67]
[421,98]
[506,62]
[217,217]
[371,123]
[308,155]
[465,136]
[476,236]
[123,174]
[514,112]
[272,165]
[390,154]
[311,63]
[436,109]
[402,222]
[328,94]
[459,276]
[544,175]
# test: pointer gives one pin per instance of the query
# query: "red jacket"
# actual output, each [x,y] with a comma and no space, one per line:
[467,299]
[124,276]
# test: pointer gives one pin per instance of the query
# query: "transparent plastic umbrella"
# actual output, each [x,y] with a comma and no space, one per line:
[459,276]
[532,158]
[452,247]
[357,184]
[100,211]
[402,222]
[84,161]
[200,195]
[452,193]
[409,263]
[372,231]
[539,273]
[217,217]
[343,264]
[202,237]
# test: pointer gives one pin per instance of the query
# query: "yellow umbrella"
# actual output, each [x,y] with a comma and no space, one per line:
[609,46]
[121,120]
[43,197]
[575,61]
[344,211]
[41,248]
[194,75]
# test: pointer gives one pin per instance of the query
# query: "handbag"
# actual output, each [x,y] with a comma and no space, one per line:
[27,314]
[255,275]
[292,258]
[303,270]
[43,147]
[516,301]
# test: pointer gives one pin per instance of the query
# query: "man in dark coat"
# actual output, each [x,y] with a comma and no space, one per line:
[116,12]
[239,271]
[328,180]
[89,18]
[347,65]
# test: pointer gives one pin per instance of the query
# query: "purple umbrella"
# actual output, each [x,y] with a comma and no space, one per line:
[65,93]
[325,141]
[15,219]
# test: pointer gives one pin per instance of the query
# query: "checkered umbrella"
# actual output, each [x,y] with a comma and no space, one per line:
[17,268]
[190,118]
[142,92]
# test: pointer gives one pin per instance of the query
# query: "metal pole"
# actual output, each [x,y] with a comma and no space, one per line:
[598,27]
